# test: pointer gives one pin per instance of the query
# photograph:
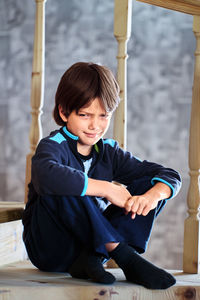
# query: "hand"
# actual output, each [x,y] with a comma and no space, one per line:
[140,205]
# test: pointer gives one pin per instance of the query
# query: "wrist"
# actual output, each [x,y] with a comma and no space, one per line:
[159,191]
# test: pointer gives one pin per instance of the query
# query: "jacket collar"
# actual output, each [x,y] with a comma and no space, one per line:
[69,134]
[73,139]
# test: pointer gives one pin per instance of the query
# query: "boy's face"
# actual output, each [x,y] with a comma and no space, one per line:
[89,124]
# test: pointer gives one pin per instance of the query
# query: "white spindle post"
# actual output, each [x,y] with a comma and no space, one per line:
[122,32]
[37,86]
[191,257]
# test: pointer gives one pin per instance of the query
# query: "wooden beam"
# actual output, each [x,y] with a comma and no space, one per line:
[10,214]
[191,254]
[10,211]
[191,7]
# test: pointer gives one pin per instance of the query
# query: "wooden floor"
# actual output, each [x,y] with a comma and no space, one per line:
[22,281]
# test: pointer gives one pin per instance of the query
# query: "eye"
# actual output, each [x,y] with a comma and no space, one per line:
[105,116]
[82,115]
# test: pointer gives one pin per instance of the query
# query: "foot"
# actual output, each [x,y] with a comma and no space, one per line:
[140,271]
[89,266]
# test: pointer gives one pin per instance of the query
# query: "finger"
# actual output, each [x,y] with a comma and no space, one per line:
[135,206]
[125,212]
[128,204]
[140,209]
[146,210]
[133,215]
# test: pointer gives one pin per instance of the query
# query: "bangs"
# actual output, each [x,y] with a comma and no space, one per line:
[82,83]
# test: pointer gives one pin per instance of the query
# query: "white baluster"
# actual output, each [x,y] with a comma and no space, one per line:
[122,32]
[37,86]
[191,258]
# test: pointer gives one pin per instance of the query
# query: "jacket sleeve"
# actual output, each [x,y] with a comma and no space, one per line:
[51,176]
[128,168]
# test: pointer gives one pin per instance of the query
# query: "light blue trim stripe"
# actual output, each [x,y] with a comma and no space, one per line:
[74,137]
[85,185]
[111,142]
[164,181]
[138,158]
[59,138]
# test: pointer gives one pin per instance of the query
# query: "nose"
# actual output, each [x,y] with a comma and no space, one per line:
[94,124]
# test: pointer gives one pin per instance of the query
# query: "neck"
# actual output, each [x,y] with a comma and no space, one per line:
[84,150]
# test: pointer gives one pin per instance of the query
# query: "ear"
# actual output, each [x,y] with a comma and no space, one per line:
[61,113]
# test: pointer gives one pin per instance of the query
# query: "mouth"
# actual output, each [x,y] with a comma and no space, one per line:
[92,135]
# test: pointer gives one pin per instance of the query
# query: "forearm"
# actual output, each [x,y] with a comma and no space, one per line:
[159,192]
[97,188]
[116,194]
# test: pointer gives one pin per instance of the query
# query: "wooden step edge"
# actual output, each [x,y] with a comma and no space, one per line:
[12,247]
[10,211]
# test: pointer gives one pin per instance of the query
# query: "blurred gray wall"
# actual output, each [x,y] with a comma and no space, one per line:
[160,74]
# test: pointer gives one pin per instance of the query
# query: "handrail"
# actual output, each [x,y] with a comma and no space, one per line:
[191,7]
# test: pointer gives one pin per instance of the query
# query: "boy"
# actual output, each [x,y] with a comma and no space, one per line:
[76,215]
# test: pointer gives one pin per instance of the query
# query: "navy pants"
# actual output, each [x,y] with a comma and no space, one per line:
[61,227]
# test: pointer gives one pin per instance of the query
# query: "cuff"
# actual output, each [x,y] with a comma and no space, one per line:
[85,185]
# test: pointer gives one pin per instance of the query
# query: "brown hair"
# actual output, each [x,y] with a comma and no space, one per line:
[82,83]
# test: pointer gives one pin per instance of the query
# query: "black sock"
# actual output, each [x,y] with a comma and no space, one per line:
[77,269]
[96,271]
[89,265]
[140,271]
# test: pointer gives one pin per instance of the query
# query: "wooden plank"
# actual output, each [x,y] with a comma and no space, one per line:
[10,214]
[22,281]
[12,248]
[11,204]
[10,211]
[191,7]
[191,2]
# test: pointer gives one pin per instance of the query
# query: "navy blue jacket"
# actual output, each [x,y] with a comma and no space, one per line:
[58,170]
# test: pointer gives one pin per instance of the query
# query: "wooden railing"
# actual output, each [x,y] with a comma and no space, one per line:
[191,7]
[122,31]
